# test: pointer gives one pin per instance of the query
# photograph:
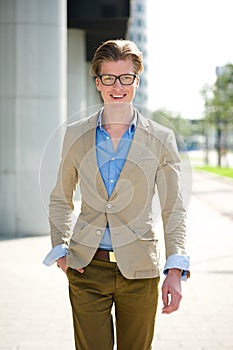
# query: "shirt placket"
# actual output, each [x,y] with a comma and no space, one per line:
[112,174]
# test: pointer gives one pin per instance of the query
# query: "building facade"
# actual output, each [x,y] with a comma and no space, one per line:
[138,34]
[45,52]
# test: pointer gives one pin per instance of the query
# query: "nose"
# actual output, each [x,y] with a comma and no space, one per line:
[117,82]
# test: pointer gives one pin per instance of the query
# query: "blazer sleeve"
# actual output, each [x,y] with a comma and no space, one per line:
[61,198]
[169,187]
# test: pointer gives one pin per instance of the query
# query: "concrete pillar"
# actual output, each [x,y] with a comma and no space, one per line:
[32,105]
[83,98]
[77,85]
[94,99]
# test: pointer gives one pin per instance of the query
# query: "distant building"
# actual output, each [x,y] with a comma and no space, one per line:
[138,34]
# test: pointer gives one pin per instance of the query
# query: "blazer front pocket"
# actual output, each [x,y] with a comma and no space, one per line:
[87,234]
[79,226]
[149,235]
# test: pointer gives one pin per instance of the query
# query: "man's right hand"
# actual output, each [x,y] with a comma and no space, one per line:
[61,262]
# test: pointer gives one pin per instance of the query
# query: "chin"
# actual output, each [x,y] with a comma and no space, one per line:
[119,104]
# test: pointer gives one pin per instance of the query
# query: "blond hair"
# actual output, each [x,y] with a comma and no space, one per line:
[115,50]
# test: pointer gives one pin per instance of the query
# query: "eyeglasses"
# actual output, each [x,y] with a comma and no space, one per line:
[110,79]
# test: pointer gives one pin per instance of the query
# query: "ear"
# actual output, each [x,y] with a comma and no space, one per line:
[137,82]
[97,84]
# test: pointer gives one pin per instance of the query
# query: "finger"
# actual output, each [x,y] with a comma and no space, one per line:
[165,296]
[174,304]
[168,309]
[81,270]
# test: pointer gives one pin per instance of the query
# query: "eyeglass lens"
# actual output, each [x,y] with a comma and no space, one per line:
[110,79]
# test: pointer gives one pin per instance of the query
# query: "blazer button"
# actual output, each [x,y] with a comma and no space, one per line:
[98,232]
[109,205]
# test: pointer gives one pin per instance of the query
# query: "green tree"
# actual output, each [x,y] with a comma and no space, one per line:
[219,106]
[174,121]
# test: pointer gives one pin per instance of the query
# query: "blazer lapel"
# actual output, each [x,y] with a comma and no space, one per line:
[136,150]
[89,141]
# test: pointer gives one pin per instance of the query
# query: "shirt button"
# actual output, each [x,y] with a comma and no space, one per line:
[98,232]
[109,205]
[111,181]
[113,158]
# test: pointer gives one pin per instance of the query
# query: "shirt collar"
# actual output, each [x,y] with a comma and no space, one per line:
[132,125]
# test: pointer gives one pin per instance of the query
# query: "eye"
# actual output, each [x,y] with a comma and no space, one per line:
[127,78]
[108,78]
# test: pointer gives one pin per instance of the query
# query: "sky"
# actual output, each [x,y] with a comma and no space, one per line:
[187,39]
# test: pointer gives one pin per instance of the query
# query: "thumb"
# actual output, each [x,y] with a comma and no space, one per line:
[81,270]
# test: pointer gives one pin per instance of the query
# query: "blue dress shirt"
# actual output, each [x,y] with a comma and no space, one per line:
[110,164]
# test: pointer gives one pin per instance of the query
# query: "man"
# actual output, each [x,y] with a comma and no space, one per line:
[120,161]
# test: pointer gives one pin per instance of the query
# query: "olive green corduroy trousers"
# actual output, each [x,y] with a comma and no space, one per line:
[93,294]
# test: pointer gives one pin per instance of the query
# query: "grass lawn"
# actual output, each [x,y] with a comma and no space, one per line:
[228,172]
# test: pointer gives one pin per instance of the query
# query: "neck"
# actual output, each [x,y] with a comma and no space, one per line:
[118,113]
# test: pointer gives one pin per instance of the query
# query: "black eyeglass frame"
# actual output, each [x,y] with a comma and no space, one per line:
[117,77]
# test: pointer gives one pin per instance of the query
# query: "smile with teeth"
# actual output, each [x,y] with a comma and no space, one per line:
[118,96]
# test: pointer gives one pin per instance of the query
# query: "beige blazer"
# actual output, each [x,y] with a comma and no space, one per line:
[151,169]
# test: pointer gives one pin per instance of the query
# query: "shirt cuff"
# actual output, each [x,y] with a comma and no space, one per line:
[180,262]
[57,252]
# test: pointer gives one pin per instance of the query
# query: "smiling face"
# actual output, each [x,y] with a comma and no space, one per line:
[117,93]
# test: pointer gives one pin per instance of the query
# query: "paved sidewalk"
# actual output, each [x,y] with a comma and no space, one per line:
[34,306]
